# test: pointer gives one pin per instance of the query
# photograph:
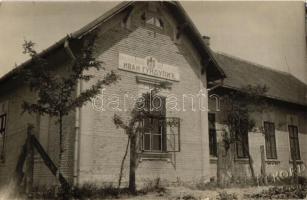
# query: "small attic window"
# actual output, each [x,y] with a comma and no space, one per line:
[155,21]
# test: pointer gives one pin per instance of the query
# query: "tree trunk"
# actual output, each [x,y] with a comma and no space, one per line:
[133,160]
[60,145]
[251,166]
[122,164]
[220,171]
[250,163]
[225,162]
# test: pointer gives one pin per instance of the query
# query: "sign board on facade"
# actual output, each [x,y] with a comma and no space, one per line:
[148,66]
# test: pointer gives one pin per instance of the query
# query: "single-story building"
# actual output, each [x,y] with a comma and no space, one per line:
[280,126]
[145,43]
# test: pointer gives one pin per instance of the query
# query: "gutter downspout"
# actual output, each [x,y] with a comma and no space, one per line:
[76,165]
[68,49]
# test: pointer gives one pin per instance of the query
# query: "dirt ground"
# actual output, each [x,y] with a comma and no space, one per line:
[178,193]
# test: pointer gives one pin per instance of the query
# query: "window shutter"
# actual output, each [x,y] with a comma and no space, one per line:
[294,142]
[267,140]
[270,141]
[140,135]
[173,134]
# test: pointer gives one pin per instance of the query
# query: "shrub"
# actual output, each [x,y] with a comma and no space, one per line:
[94,191]
[186,197]
[285,192]
[286,181]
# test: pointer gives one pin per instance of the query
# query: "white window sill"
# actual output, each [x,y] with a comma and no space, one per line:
[242,160]
[154,156]
[213,159]
[297,161]
[272,161]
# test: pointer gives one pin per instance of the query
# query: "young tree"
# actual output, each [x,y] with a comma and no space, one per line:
[237,107]
[132,127]
[56,91]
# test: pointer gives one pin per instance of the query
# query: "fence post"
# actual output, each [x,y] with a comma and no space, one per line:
[263,165]
[30,161]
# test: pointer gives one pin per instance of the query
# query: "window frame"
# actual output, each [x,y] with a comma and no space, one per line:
[160,116]
[297,144]
[212,136]
[162,144]
[270,140]
[169,129]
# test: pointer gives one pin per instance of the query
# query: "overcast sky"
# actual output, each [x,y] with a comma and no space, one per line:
[267,33]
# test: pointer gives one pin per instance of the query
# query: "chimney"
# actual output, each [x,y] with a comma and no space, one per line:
[206,40]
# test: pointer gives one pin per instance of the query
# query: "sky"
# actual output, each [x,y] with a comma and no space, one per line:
[267,33]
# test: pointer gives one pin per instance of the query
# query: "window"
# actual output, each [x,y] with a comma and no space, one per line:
[242,144]
[154,136]
[294,142]
[212,135]
[270,141]
[159,134]
[155,21]
[2,134]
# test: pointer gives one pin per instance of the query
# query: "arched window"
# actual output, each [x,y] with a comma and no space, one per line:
[155,21]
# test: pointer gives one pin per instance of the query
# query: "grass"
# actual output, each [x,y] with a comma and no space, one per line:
[187,191]
[285,189]
[233,183]
[152,186]
[283,192]
[94,191]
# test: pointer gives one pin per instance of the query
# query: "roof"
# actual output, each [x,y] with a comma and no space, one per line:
[214,72]
[281,85]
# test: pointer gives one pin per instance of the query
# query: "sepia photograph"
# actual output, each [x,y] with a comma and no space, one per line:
[153,100]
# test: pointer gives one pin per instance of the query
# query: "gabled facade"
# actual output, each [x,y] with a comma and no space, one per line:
[146,43]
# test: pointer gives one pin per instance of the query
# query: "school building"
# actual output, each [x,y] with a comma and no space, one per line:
[148,43]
